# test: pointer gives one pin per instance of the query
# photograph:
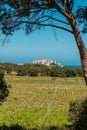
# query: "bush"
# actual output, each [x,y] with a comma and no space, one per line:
[56,71]
[33,72]
[21,71]
[78,114]
[69,72]
[53,73]
[3,88]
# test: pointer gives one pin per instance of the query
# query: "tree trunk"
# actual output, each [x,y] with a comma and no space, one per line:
[80,44]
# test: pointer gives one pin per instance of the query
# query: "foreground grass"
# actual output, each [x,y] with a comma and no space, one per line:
[40,101]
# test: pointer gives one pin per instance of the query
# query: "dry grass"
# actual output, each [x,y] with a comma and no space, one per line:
[40,101]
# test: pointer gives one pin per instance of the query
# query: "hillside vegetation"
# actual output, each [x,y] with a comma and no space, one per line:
[40,70]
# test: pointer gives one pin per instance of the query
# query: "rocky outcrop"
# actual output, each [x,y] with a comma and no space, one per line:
[47,62]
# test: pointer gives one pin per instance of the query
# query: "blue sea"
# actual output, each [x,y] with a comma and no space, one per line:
[74,66]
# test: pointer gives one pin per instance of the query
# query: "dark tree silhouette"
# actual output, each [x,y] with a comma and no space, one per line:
[18,127]
[12,127]
[3,88]
[34,14]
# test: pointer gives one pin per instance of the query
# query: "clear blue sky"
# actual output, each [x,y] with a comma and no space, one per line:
[41,45]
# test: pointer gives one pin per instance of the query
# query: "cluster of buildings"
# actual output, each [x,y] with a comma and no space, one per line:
[47,62]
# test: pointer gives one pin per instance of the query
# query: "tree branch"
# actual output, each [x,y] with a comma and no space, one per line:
[63,12]
[49,25]
[52,18]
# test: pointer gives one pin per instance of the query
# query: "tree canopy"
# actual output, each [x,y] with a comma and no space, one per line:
[33,14]
[81,16]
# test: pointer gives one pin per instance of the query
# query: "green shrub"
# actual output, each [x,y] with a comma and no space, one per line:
[33,72]
[78,114]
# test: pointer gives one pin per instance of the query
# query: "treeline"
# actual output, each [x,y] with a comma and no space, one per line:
[40,70]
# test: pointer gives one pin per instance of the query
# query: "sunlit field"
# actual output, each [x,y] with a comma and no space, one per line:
[36,102]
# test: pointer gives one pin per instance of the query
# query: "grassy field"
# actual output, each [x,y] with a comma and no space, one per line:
[40,101]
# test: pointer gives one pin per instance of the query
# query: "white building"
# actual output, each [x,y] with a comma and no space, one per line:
[47,62]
